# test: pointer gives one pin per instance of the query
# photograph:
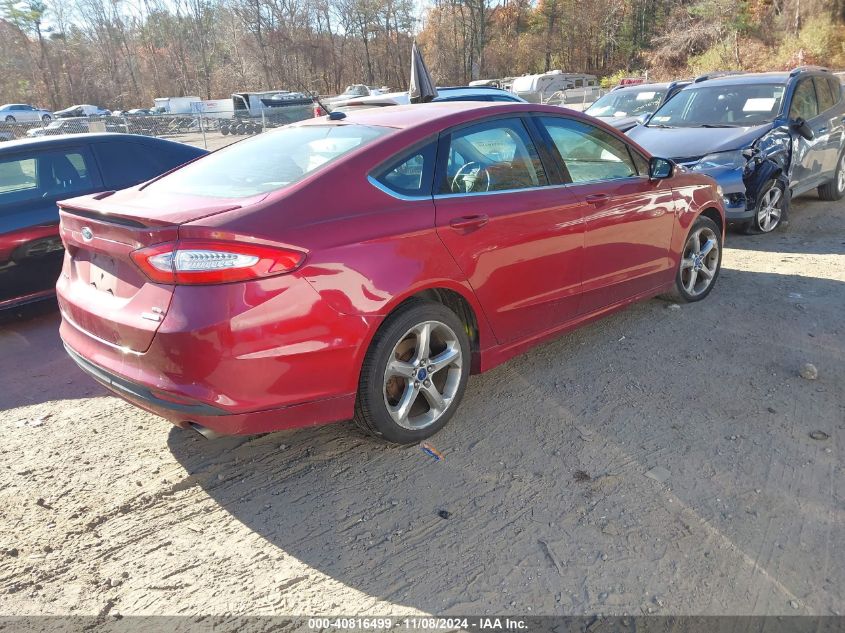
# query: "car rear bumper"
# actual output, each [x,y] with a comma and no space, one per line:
[188,414]
[232,363]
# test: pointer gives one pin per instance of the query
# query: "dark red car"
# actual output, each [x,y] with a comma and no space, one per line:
[363,266]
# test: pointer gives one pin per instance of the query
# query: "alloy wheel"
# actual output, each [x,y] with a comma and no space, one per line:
[423,375]
[840,175]
[700,262]
[769,212]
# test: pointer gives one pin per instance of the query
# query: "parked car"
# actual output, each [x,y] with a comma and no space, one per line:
[60,126]
[625,106]
[764,137]
[81,111]
[241,294]
[135,112]
[452,93]
[35,174]
[12,112]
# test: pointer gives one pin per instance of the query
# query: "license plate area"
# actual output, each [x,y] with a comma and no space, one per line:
[102,273]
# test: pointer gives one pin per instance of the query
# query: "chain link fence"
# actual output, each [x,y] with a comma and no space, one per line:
[209,132]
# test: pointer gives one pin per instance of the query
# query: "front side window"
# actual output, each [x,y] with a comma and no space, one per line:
[54,175]
[588,152]
[804,103]
[268,162]
[737,105]
[494,156]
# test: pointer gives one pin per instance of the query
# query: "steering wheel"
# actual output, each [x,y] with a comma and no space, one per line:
[468,176]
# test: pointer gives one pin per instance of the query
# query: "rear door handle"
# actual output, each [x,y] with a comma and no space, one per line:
[469,221]
[598,198]
[822,130]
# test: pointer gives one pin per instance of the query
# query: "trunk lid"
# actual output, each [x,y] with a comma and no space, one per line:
[101,291]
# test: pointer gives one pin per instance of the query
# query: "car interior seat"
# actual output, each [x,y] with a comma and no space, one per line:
[61,175]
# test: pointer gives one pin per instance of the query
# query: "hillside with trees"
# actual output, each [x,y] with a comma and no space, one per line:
[122,53]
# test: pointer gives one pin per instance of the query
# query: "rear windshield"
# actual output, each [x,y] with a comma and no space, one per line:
[267,162]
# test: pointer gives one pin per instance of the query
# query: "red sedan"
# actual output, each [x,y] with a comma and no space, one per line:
[362,266]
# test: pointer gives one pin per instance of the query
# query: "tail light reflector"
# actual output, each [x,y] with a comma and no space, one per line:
[318,111]
[190,262]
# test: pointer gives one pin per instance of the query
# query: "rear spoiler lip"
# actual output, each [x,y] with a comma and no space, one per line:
[91,211]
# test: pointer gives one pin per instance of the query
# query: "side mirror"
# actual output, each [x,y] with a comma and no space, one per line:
[803,128]
[660,168]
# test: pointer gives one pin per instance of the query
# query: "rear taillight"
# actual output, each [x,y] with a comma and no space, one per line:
[204,262]
[318,110]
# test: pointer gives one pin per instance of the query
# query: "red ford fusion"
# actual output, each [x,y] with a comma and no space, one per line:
[364,265]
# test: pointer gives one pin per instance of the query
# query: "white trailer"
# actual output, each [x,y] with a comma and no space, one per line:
[567,88]
[214,108]
[175,105]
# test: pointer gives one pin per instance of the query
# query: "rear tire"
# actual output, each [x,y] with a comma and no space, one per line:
[699,264]
[10,119]
[835,189]
[46,118]
[414,374]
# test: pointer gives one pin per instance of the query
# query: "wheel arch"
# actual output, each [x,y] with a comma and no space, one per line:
[713,214]
[459,301]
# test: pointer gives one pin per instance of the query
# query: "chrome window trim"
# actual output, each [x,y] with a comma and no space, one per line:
[499,191]
[404,198]
[394,194]
[557,186]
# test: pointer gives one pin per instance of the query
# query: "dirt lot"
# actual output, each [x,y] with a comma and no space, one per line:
[107,509]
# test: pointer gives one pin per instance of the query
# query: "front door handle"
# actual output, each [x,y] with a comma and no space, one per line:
[469,222]
[598,199]
[822,130]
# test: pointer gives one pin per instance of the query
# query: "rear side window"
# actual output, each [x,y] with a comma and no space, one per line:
[126,164]
[63,174]
[804,104]
[411,175]
[824,94]
[268,162]
[588,152]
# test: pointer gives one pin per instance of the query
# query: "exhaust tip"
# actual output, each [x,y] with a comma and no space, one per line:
[204,431]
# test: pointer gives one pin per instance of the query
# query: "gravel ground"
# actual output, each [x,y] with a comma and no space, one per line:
[660,461]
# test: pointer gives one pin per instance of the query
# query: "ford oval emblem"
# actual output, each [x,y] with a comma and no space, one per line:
[87,234]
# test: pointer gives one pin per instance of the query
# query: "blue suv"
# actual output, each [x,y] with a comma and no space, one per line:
[764,138]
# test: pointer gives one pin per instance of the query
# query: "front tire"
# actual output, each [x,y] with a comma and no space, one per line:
[770,210]
[414,374]
[700,262]
[835,189]
[46,118]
